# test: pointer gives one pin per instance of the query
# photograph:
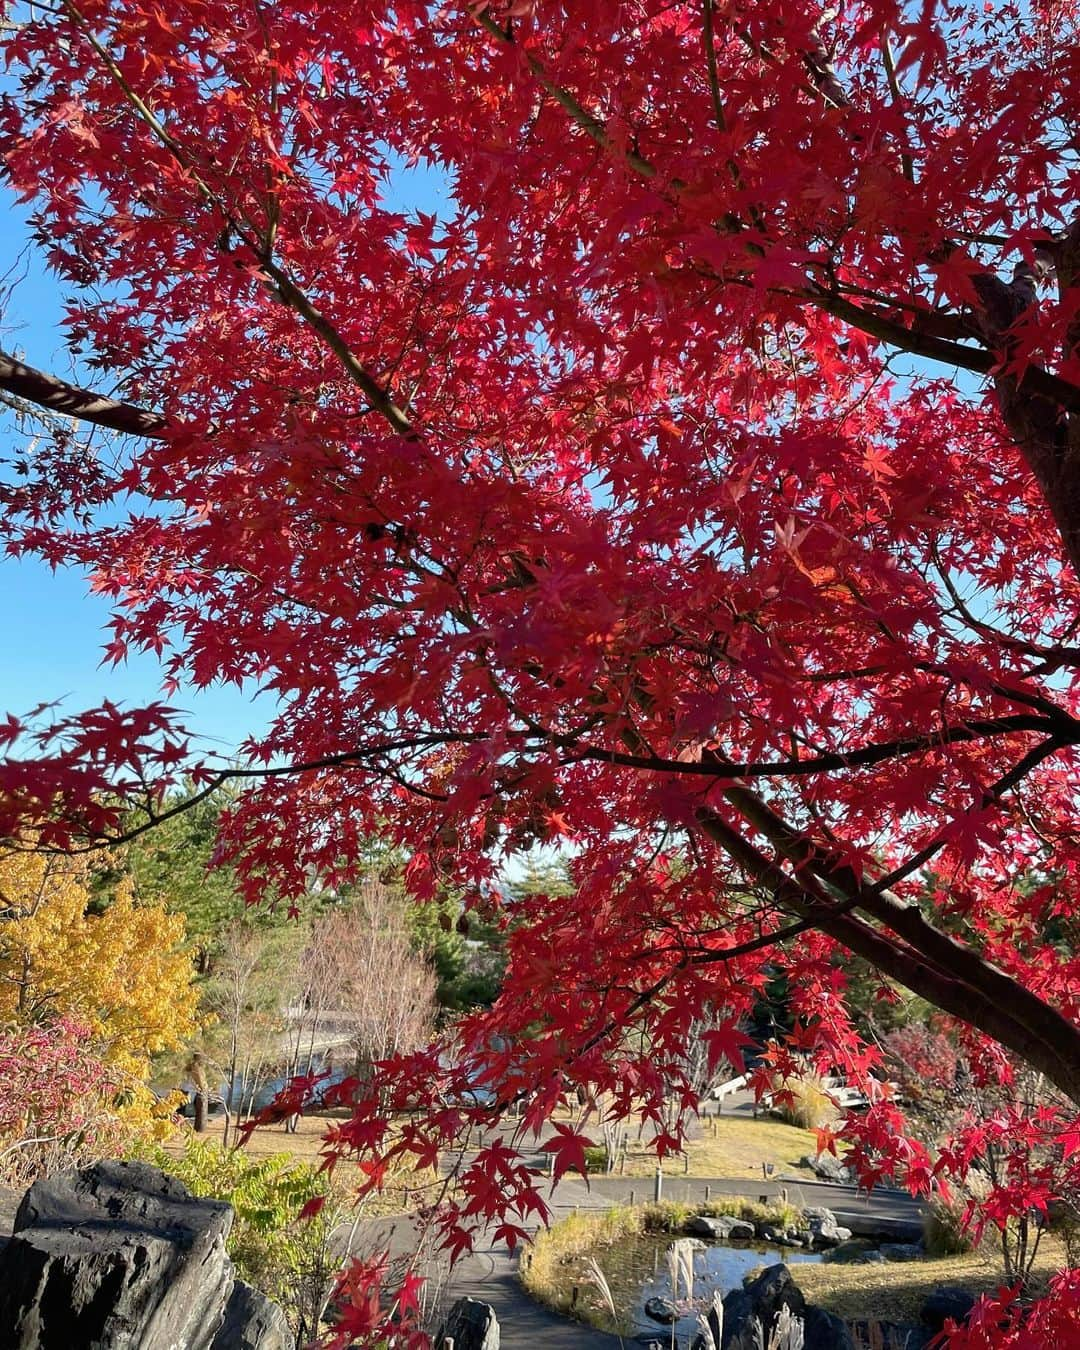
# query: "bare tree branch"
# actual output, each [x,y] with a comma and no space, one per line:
[24,382]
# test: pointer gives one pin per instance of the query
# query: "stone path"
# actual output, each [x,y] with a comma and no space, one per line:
[491,1275]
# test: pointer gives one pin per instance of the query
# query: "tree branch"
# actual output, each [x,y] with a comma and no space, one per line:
[34,386]
[712,765]
[1031,1027]
[927,962]
[1019,771]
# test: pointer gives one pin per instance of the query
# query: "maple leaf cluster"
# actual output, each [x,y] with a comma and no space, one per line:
[695,490]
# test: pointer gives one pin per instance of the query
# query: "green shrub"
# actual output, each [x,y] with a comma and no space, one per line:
[596,1158]
[286,1257]
[667,1216]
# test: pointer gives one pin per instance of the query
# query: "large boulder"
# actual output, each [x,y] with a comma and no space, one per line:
[471,1325]
[759,1300]
[828,1167]
[946,1302]
[120,1256]
[720,1227]
[824,1230]
[252,1322]
[752,1311]
[824,1331]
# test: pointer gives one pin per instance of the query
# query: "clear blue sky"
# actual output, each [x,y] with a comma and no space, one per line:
[53,627]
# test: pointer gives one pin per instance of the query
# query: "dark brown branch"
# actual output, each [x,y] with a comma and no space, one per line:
[1036,380]
[712,765]
[930,964]
[996,790]
[346,758]
[769,939]
[1062,393]
[997,1003]
[35,386]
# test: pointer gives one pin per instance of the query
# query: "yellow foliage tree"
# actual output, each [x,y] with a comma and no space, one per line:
[120,972]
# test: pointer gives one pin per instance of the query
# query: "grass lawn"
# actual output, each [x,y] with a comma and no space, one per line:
[305,1145]
[731,1146]
[896,1291]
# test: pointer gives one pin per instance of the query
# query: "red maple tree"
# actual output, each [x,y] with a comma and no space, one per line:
[698,488]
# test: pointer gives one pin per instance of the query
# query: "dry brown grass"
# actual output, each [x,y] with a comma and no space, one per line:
[731,1147]
[895,1291]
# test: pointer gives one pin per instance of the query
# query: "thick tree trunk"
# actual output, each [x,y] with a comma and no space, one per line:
[906,947]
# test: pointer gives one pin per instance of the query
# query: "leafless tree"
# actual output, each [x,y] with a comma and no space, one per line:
[255,979]
[364,979]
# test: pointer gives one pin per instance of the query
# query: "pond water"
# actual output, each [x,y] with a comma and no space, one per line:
[636,1269]
[267,1090]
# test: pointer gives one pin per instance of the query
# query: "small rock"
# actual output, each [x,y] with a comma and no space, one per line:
[902,1251]
[695,1244]
[869,1258]
[659,1309]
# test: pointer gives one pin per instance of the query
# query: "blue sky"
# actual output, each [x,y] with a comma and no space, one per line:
[53,627]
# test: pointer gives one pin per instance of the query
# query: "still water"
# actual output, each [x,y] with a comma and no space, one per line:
[637,1271]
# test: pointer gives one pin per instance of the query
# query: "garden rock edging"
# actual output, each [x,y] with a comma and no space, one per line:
[758,1304]
[121,1256]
